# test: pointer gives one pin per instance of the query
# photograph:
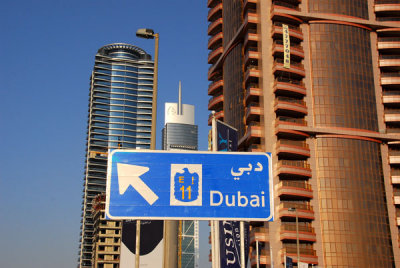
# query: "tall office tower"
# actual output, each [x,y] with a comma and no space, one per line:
[180,133]
[317,83]
[120,107]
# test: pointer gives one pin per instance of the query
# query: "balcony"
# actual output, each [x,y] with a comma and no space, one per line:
[394,157]
[253,133]
[292,149]
[288,87]
[307,255]
[216,74]
[215,41]
[284,5]
[283,120]
[253,93]
[214,55]
[218,115]
[216,87]
[388,32]
[290,107]
[389,19]
[285,133]
[212,3]
[306,233]
[387,7]
[396,198]
[264,258]
[389,43]
[253,112]
[249,4]
[391,98]
[295,32]
[294,169]
[389,62]
[296,69]
[216,103]
[296,51]
[215,12]
[390,79]
[392,115]
[251,56]
[395,176]
[251,73]
[304,211]
[295,189]
[252,37]
[255,148]
[251,17]
[215,27]
[259,234]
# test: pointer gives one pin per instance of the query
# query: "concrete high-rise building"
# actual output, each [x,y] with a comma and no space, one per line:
[120,108]
[180,133]
[317,83]
[106,250]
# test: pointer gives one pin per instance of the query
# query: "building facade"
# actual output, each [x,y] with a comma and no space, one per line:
[106,236]
[317,83]
[119,116]
[180,133]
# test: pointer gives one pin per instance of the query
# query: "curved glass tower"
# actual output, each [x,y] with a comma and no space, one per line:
[120,108]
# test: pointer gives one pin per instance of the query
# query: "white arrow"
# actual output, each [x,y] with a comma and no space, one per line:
[129,175]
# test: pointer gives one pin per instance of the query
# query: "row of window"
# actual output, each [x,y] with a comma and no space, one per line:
[122,114]
[122,126]
[124,73]
[126,85]
[122,102]
[140,68]
[121,132]
[125,108]
[122,96]
[124,79]
[134,91]
[123,120]
[123,144]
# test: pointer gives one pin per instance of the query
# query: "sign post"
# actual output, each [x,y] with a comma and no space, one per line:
[189,185]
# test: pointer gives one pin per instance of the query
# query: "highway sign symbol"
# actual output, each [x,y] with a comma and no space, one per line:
[189,185]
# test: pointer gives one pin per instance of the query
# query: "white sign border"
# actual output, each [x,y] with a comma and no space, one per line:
[108,186]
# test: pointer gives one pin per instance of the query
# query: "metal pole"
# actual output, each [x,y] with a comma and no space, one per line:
[137,251]
[153,136]
[270,255]
[214,224]
[284,259]
[297,238]
[242,258]
[257,255]
[154,107]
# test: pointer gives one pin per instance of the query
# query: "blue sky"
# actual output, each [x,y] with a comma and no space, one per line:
[47,53]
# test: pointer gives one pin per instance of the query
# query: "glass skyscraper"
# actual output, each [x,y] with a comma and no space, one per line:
[180,133]
[120,108]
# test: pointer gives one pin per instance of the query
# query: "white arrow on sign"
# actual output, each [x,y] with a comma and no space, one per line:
[129,175]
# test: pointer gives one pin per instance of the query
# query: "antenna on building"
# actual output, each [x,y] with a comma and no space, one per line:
[180,99]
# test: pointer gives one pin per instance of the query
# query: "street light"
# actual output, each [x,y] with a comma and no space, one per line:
[293,209]
[149,34]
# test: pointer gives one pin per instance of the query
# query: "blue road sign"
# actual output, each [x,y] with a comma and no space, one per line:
[187,185]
